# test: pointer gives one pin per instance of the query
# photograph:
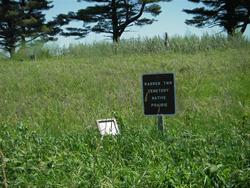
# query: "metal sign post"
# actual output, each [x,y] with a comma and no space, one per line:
[160,123]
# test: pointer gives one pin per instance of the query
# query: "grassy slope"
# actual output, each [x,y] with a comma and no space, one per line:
[48,110]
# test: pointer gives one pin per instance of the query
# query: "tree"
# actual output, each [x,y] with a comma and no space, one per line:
[33,23]
[232,15]
[112,16]
[22,21]
[9,33]
[244,8]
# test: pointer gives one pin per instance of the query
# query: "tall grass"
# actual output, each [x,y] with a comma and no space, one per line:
[189,44]
[33,51]
[135,46]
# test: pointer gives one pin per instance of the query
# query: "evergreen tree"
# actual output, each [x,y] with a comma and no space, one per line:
[244,9]
[9,32]
[112,16]
[232,15]
[32,22]
[22,21]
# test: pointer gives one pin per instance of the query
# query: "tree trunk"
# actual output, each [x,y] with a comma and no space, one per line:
[230,30]
[12,51]
[23,40]
[116,37]
[231,21]
[115,22]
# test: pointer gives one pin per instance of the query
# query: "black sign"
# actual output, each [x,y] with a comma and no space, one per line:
[158,94]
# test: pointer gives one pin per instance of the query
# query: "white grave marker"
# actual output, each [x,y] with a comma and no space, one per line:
[108,126]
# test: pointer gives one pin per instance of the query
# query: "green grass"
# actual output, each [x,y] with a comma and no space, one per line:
[189,44]
[48,109]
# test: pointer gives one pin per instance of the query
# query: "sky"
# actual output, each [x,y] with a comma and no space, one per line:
[171,20]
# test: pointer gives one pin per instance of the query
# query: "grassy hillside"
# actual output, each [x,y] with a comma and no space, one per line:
[48,109]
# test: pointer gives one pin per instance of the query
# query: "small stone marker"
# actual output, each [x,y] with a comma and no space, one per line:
[108,126]
[158,95]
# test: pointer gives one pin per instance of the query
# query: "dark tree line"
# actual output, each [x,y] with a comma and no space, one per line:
[231,15]
[113,17]
[23,21]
